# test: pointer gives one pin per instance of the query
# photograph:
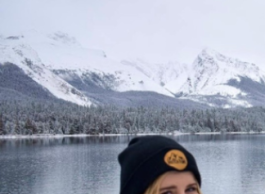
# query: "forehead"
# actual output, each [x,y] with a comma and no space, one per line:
[178,179]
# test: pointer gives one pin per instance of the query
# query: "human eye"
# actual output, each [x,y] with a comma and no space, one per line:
[192,189]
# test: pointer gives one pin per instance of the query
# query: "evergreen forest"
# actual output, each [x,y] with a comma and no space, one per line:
[42,117]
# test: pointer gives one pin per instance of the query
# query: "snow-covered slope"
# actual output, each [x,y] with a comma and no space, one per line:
[17,51]
[172,76]
[213,79]
[40,55]
[208,75]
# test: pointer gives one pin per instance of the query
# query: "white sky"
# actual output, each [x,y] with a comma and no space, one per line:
[155,30]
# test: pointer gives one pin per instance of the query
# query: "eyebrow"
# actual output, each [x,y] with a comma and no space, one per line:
[192,184]
[167,188]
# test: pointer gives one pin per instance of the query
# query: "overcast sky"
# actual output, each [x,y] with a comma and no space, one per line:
[155,30]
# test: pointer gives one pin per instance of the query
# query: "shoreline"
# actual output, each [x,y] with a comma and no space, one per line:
[36,136]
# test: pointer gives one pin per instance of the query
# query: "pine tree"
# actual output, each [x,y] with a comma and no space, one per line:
[17,127]
[30,127]
[2,131]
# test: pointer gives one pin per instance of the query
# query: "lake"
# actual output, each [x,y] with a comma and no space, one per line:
[229,163]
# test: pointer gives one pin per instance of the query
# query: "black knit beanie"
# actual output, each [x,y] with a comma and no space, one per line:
[148,157]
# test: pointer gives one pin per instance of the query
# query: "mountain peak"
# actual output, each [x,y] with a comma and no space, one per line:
[209,51]
[211,54]
[211,58]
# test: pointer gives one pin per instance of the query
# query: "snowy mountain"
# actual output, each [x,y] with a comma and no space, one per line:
[16,50]
[62,67]
[70,72]
[213,74]
[213,79]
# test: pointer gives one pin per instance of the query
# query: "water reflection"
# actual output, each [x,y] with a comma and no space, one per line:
[55,141]
[228,163]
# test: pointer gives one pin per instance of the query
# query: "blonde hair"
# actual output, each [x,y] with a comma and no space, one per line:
[155,186]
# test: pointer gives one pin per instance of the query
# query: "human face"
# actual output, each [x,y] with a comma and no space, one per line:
[179,183]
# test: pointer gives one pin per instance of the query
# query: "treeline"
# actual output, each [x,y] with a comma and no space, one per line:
[67,118]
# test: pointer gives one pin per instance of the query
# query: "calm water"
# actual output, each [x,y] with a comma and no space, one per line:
[229,164]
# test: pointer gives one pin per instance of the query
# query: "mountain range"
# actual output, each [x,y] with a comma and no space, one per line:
[55,66]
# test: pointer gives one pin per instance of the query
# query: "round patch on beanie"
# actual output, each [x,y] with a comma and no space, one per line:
[176,159]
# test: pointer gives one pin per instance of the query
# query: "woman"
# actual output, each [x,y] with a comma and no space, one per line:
[158,165]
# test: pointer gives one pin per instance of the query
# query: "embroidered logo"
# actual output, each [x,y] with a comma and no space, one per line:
[176,159]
